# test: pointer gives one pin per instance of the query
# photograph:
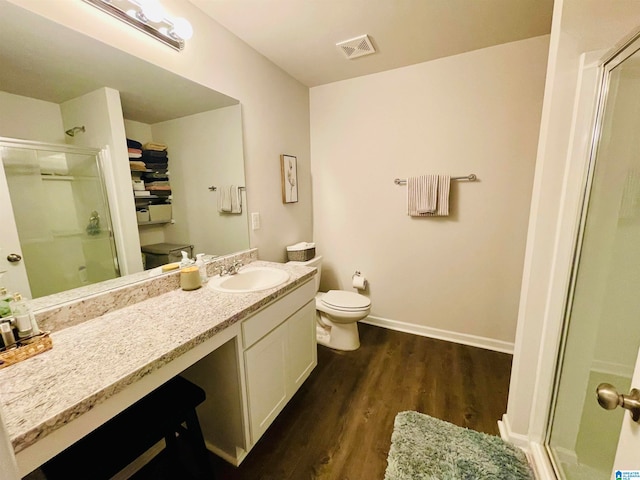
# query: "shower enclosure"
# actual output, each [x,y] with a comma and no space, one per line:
[56,231]
[601,331]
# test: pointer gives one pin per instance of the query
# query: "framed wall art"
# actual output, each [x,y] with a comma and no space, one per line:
[289,170]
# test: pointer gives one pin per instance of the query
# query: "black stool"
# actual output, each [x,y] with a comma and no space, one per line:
[114,445]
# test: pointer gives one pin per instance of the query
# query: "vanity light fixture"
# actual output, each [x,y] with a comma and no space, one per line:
[149,17]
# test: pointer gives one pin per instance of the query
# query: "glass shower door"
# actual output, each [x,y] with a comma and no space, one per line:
[61,216]
[602,323]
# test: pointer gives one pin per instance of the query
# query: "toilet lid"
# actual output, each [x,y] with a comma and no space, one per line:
[344,300]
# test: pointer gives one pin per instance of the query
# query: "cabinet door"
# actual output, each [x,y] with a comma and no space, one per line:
[267,380]
[303,351]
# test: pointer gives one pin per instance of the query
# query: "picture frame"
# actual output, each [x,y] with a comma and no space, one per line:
[289,172]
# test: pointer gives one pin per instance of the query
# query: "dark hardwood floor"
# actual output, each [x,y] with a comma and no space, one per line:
[338,426]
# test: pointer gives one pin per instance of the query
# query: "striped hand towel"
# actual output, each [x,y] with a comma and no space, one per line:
[236,199]
[224,199]
[428,196]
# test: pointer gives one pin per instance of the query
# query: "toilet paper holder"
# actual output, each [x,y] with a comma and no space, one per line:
[358,281]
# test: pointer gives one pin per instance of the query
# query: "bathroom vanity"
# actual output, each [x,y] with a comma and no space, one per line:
[249,351]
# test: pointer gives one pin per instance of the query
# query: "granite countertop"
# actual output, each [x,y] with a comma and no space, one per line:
[98,358]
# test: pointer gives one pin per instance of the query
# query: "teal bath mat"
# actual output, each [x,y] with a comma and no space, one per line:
[425,448]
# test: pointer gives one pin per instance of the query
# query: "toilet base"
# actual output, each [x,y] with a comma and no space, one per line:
[339,336]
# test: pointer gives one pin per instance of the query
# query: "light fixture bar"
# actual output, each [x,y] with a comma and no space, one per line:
[108,7]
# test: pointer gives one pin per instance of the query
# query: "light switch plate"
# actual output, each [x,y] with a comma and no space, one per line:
[255,221]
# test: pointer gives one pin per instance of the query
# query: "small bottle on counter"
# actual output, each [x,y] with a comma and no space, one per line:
[6,332]
[201,267]
[25,319]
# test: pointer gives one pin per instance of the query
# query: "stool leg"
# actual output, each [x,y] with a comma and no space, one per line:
[199,448]
[173,453]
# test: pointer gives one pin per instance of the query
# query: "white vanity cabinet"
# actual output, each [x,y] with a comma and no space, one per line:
[250,379]
[277,365]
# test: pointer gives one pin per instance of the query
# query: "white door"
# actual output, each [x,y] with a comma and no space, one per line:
[12,270]
[628,452]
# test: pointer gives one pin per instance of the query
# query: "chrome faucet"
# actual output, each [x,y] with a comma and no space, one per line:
[232,270]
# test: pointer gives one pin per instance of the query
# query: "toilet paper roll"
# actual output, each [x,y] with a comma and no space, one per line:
[359,282]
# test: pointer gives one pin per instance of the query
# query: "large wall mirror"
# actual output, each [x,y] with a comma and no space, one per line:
[53,80]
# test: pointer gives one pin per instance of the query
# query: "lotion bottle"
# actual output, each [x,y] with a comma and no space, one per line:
[25,319]
[201,267]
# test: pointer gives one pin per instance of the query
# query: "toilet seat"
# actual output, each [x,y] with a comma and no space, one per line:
[343,301]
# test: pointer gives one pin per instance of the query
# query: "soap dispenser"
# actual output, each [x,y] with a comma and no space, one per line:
[185,262]
[201,267]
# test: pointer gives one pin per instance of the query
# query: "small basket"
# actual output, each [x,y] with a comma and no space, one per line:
[301,252]
[41,343]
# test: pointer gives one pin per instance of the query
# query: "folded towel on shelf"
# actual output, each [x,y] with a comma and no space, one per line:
[154,146]
[155,154]
[428,196]
[155,166]
[135,153]
[157,187]
[133,144]
[137,166]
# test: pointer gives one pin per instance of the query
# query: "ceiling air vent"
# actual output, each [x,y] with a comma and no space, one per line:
[356,47]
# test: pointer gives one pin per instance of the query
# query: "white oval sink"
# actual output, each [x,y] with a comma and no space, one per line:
[249,279]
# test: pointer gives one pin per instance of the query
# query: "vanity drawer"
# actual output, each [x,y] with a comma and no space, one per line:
[256,327]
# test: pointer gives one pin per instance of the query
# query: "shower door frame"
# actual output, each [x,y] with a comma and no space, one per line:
[101,156]
[585,134]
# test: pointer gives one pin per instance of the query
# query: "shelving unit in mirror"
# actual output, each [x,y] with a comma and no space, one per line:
[149,165]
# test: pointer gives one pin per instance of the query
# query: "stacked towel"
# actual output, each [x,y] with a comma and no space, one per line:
[137,166]
[133,144]
[159,147]
[151,171]
[428,196]
[135,153]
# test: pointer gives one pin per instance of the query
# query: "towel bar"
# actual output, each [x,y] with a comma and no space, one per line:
[213,188]
[472,178]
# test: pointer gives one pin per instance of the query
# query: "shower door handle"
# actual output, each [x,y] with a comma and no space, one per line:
[609,398]
[13,258]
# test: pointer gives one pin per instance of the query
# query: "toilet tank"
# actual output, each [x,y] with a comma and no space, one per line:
[314,262]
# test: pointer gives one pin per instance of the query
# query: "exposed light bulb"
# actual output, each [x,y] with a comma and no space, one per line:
[182,28]
[152,10]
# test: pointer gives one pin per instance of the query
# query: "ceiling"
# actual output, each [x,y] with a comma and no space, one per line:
[300,35]
[44,60]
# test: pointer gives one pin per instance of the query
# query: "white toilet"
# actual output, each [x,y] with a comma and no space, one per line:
[337,313]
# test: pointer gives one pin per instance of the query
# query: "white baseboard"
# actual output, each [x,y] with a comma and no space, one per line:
[508,435]
[540,463]
[611,368]
[536,453]
[235,461]
[455,337]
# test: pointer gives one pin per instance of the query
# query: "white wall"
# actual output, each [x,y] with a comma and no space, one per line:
[275,106]
[100,112]
[30,119]
[477,112]
[205,150]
